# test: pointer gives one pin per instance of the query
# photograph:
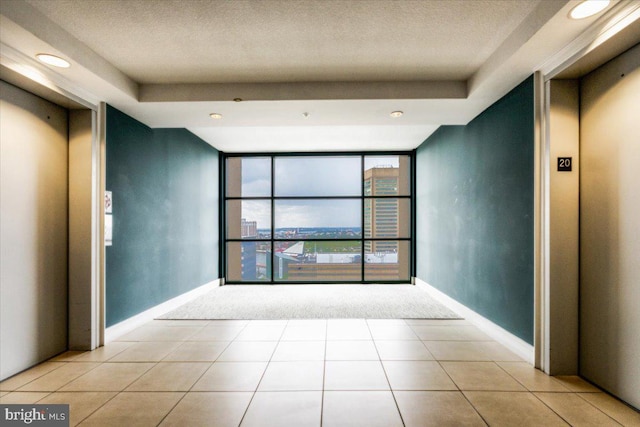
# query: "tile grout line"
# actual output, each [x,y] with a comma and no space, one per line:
[514,378]
[575,394]
[550,408]
[393,395]
[117,393]
[579,394]
[63,385]
[184,394]
[109,358]
[98,408]
[265,370]
[36,378]
[324,369]
[460,390]
[287,323]
[156,363]
[201,375]
[39,400]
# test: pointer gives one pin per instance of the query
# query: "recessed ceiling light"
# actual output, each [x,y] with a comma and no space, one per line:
[53,60]
[215,116]
[395,114]
[588,8]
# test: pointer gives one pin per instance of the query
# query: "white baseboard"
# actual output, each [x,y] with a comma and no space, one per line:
[114,332]
[504,337]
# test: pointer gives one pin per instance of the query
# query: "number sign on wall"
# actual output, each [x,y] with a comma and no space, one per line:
[564,164]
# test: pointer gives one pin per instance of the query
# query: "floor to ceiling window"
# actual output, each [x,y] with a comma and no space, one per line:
[343,218]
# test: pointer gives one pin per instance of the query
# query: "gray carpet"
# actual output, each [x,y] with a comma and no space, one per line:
[257,302]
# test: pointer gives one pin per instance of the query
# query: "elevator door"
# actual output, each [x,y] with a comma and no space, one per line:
[609,226]
[33,229]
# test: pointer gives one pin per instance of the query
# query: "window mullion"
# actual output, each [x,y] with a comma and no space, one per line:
[384,232]
[362,219]
[273,221]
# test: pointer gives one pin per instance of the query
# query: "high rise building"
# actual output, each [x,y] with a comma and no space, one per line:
[249,229]
[381,215]
[248,250]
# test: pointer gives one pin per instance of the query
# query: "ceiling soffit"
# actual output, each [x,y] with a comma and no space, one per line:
[170,65]
[277,41]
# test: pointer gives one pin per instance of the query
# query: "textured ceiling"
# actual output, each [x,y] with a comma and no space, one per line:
[195,41]
[347,63]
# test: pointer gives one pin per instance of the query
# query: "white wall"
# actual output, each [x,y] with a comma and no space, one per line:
[564,141]
[610,227]
[33,229]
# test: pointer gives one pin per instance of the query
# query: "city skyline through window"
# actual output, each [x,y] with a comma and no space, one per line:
[318,218]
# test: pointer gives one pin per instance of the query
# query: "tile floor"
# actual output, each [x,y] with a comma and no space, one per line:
[298,373]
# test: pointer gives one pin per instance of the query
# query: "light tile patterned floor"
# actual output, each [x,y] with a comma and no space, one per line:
[299,373]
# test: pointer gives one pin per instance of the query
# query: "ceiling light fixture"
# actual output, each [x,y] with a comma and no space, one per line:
[588,8]
[53,60]
[396,114]
[215,116]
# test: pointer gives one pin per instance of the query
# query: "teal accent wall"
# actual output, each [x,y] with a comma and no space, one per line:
[474,216]
[165,215]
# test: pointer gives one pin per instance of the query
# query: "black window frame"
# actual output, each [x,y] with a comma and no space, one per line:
[223,239]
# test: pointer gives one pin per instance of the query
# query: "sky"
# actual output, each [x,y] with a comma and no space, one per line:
[318,213]
[299,176]
[318,176]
